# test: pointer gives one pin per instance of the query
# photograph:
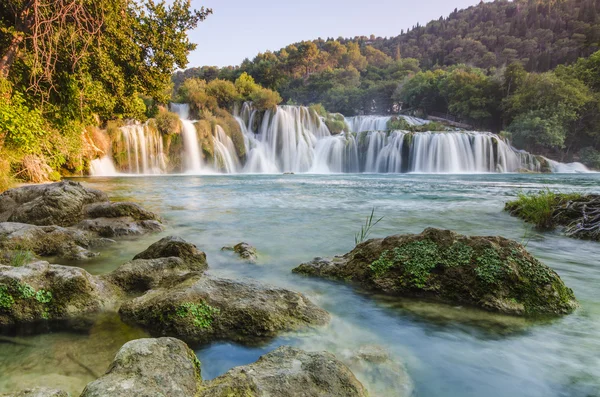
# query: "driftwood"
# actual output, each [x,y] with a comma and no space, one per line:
[581,217]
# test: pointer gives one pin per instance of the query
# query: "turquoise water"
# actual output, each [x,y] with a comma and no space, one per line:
[447,351]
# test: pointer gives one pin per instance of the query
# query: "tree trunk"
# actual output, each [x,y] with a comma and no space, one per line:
[23,23]
[9,56]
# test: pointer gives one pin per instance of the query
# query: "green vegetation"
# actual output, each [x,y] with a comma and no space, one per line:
[167,122]
[21,257]
[202,314]
[490,267]
[366,229]
[539,208]
[6,299]
[67,65]
[218,94]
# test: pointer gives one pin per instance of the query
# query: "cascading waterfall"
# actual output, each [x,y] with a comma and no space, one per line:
[140,150]
[192,159]
[296,139]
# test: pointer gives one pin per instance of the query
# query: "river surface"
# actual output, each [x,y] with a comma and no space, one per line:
[446,350]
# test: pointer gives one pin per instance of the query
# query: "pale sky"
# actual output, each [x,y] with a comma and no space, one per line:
[240,29]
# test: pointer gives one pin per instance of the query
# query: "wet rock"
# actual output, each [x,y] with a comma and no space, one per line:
[287,372]
[165,263]
[119,210]
[203,309]
[38,392]
[59,203]
[46,240]
[382,375]
[492,273]
[149,367]
[141,275]
[172,246]
[119,227]
[40,291]
[244,251]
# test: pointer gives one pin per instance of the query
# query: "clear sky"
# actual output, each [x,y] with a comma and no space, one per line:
[240,29]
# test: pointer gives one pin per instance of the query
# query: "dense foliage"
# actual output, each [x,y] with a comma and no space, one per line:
[67,64]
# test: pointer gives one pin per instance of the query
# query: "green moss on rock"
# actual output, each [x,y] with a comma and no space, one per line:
[492,273]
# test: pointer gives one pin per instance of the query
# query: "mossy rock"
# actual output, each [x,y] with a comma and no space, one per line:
[492,273]
[43,292]
[203,309]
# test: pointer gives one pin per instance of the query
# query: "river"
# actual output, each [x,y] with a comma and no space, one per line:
[447,351]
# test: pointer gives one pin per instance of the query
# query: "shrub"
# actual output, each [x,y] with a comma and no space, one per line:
[167,123]
[265,99]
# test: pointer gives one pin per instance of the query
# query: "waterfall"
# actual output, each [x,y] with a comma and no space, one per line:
[296,139]
[140,150]
[192,160]
[103,167]
[378,123]
[226,159]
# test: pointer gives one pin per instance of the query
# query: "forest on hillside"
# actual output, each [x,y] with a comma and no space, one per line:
[528,67]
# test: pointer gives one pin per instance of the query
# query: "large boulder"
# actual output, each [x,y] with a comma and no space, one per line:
[149,367]
[59,203]
[287,372]
[202,309]
[38,392]
[245,251]
[46,240]
[40,291]
[492,273]
[164,264]
[119,210]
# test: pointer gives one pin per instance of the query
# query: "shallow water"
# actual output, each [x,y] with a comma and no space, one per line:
[449,351]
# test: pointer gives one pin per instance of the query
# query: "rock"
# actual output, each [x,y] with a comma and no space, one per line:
[119,227]
[38,392]
[46,240]
[287,372]
[165,263]
[172,246]
[141,275]
[119,210]
[40,291]
[381,374]
[492,273]
[244,250]
[59,203]
[149,367]
[203,309]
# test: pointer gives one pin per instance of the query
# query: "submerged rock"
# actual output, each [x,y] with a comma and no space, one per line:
[46,240]
[492,273]
[165,263]
[203,309]
[382,375]
[287,372]
[38,392]
[59,203]
[40,291]
[149,367]
[244,251]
